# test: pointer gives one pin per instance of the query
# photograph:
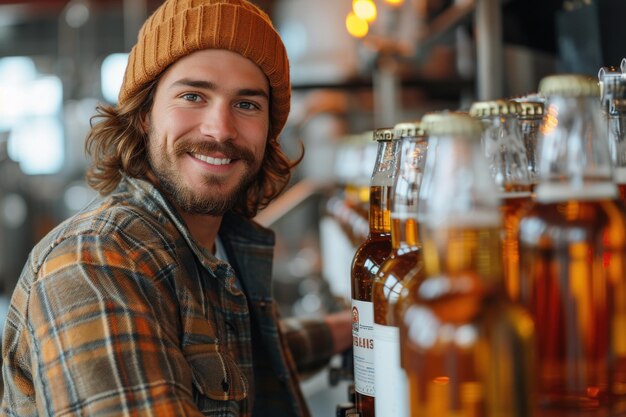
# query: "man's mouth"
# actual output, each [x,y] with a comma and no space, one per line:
[212,161]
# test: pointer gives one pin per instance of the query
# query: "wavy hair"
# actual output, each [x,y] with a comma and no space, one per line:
[117,145]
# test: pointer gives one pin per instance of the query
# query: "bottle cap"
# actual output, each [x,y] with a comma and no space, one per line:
[384,134]
[531,110]
[409,130]
[482,109]
[451,123]
[569,85]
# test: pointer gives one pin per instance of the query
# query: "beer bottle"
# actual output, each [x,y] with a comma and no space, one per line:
[390,380]
[366,263]
[613,100]
[416,274]
[506,156]
[572,253]
[469,347]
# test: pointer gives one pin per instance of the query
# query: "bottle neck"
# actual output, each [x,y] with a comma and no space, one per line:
[457,184]
[379,214]
[529,128]
[575,160]
[406,192]
[381,185]
[505,151]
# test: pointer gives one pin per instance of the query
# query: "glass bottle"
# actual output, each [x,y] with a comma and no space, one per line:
[390,380]
[366,263]
[506,156]
[469,348]
[572,254]
[613,100]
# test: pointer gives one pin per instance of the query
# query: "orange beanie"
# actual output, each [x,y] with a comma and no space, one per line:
[180,27]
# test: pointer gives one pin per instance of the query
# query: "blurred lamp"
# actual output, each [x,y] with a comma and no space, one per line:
[356,26]
[364,9]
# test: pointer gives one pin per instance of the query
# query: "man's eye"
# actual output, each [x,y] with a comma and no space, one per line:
[246,105]
[191,97]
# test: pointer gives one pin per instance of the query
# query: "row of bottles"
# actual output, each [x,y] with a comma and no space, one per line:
[493,278]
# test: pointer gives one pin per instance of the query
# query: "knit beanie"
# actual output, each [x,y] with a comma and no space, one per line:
[179,27]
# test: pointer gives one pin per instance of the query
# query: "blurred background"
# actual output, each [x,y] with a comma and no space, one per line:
[356,65]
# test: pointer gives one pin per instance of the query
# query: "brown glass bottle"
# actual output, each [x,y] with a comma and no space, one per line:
[366,264]
[573,255]
[467,347]
[390,380]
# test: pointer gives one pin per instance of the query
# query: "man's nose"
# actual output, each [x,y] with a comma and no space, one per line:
[218,122]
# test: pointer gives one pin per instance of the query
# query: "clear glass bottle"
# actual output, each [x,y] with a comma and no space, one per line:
[506,155]
[613,100]
[572,254]
[469,348]
[390,379]
[366,264]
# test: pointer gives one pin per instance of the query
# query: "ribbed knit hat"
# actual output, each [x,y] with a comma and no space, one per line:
[180,27]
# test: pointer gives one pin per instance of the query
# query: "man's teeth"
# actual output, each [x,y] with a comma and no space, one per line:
[212,161]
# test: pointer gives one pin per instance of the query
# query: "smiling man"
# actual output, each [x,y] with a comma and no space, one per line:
[156,299]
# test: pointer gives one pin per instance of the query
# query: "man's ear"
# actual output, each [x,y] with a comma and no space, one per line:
[144,122]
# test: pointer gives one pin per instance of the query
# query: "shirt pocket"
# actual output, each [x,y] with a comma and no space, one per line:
[215,374]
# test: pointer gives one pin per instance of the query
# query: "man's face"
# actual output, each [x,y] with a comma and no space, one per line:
[208,128]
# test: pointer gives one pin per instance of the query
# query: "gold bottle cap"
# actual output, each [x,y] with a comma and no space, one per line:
[481,109]
[384,134]
[409,130]
[569,85]
[451,123]
[531,110]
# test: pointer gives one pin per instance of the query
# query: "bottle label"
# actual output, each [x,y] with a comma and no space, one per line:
[556,193]
[620,175]
[363,346]
[390,383]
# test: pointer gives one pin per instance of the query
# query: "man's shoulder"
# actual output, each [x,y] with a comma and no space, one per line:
[110,221]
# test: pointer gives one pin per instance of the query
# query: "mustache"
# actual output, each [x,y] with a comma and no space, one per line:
[227,148]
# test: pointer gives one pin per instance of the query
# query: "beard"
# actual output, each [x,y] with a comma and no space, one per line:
[190,199]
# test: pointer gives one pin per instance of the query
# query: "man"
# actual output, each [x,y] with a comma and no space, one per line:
[155,299]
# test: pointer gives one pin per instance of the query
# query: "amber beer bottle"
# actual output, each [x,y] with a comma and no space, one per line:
[613,98]
[572,255]
[390,379]
[366,263]
[409,286]
[507,159]
[469,347]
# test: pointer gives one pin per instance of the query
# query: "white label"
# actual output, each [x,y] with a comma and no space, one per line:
[620,175]
[390,383]
[556,193]
[363,346]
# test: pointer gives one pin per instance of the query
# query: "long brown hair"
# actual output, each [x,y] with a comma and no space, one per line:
[117,145]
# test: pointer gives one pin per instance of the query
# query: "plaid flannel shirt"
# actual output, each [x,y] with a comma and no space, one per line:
[119,312]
